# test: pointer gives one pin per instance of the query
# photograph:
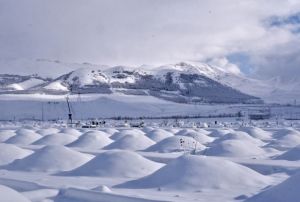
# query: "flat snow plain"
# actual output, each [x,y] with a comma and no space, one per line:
[45,163]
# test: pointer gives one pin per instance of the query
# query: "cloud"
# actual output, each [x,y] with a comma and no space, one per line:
[281,61]
[136,32]
[225,64]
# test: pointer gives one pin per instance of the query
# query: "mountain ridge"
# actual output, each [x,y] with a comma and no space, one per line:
[184,82]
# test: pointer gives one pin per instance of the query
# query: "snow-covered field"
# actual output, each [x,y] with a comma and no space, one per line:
[49,162]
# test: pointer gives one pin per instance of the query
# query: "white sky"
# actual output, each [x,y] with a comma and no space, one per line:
[136,32]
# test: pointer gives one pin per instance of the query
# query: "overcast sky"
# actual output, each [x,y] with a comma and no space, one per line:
[260,36]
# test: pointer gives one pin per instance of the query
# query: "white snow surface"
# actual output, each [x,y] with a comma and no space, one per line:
[154,163]
[9,195]
[286,191]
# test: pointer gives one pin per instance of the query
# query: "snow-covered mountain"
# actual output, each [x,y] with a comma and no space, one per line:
[181,82]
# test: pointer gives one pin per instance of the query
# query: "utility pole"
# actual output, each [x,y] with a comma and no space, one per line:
[70,121]
[42,111]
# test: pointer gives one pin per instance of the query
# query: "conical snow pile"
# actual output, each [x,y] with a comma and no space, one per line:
[257,133]
[199,137]
[97,132]
[117,163]
[290,155]
[185,132]
[91,140]
[196,173]
[6,134]
[238,135]
[123,133]
[286,131]
[131,142]
[51,159]
[56,139]
[158,134]
[285,139]
[47,131]
[234,148]
[110,131]
[220,132]
[176,144]
[71,131]
[24,137]
[9,153]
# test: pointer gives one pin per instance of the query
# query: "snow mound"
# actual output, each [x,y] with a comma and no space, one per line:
[184,132]
[56,139]
[200,130]
[238,135]
[6,134]
[24,131]
[147,129]
[200,137]
[9,195]
[47,131]
[24,137]
[172,130]
[283,192]
[9,153]
[158,134]
[286,131]
[71,131]
[51,159]
[195,173]
[103,189]
[290,155]
[96,132]
[220,132]
[234,148]
[257,133]
[131,142]
[117,163]
[110,131]
[92,140]
[125,132]
[176,144]
[287,141]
